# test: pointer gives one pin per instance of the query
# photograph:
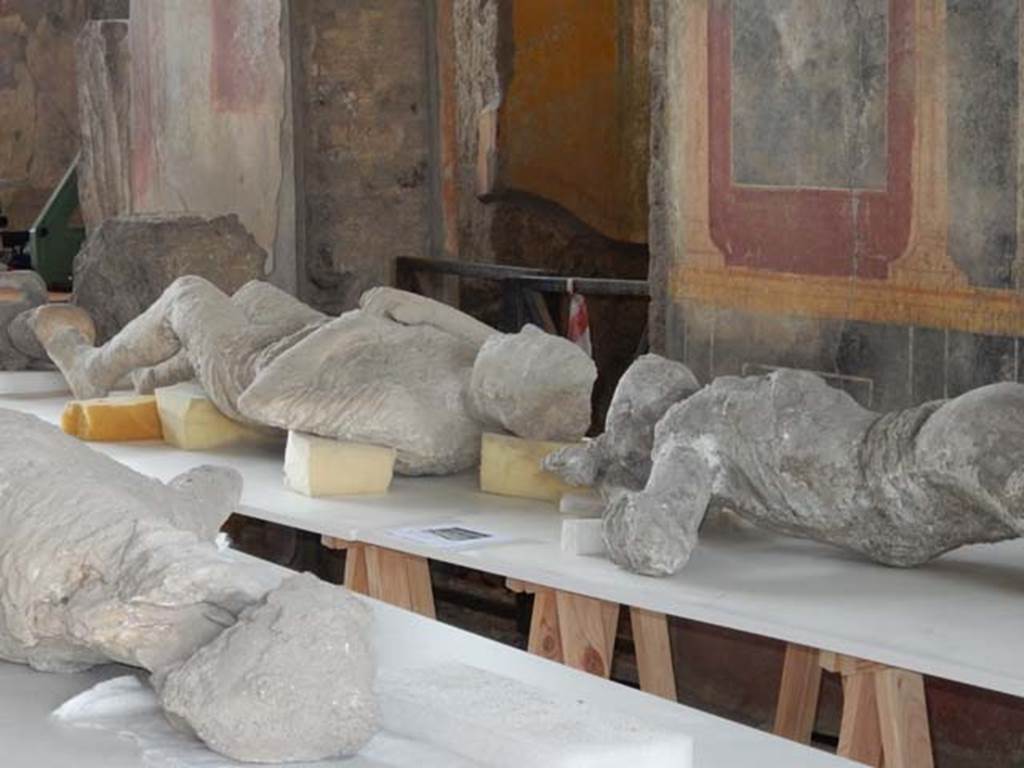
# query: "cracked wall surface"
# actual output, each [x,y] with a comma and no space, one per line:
[211,121]
[849,209]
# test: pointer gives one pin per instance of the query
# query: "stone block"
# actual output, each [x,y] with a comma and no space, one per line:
[128,261]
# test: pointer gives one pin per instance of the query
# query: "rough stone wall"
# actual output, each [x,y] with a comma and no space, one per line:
[211,121]
[104,165]
[363,99]
[38,106]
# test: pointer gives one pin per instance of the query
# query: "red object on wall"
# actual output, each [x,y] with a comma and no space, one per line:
[813,231]
[579,324]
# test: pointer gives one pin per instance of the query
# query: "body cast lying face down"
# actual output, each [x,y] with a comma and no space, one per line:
[100,564]
[789,453]
[402,371]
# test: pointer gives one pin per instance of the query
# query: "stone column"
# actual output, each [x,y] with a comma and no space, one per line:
[104,178]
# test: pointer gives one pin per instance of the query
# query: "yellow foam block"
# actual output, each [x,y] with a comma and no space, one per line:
[319,466]
[112,419]
[192,422]
[511,466]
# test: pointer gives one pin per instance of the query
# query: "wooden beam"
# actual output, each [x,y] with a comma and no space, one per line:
[399,579]
[356,577]
[859,734]
[846,665]
[799,689]
[903,715]
[653,653]
[545,637]
[587,630]
[331,542]
[355,562]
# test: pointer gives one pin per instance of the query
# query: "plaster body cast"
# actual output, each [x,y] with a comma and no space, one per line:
[789,453]
[402,371]
[100,564]
[20,292]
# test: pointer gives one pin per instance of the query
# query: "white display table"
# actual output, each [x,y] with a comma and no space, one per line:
[31,739]
[958,618]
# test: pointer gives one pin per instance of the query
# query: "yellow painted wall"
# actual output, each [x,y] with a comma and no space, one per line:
[574,120]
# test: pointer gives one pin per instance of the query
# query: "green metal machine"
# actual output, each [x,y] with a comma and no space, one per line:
[57,234]
[54,240]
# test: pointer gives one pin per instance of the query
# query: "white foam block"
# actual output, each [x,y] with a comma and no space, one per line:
[512,466]
[192,422]
[503,723]
[581,504]
[582,537]
[319,466]
[129,708]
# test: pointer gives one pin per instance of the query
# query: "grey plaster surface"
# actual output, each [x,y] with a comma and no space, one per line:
[403,371]
[99,563]
[789,453]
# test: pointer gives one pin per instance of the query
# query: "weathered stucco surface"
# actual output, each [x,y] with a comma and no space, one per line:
[519,227]
[528,58]
[211,130]
[941,317]
[882,362]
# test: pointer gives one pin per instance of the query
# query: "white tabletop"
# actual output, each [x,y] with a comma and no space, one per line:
[30,739]
[959,617]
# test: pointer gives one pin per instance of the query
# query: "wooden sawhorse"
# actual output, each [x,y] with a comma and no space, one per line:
[387,575]
[884,722]
[579,631]
[565,627]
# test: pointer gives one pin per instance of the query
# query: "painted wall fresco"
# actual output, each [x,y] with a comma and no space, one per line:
[573,125]
[854,211]
[847,203]
[810,152]
[808,89]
